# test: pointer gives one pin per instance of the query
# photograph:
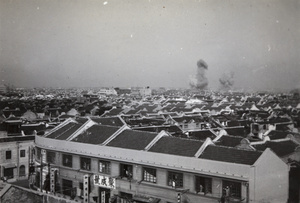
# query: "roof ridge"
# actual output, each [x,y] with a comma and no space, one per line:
[141,131]
[97,124]
[182,138]
[235,148]
[233,136]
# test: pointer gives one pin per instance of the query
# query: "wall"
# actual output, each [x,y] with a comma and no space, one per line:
[270,179]
[16,160]
[160,189]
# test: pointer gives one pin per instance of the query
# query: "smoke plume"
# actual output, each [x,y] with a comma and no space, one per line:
[199,81]
[227,80]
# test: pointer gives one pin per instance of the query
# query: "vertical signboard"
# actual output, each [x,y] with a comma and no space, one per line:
[102,196]
[53,171]
[86,188]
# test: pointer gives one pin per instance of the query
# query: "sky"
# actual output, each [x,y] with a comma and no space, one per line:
[156,43]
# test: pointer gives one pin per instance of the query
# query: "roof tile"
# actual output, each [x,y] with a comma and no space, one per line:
[232,155]
[176,146]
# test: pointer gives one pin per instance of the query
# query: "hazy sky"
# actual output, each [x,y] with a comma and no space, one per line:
[149,42]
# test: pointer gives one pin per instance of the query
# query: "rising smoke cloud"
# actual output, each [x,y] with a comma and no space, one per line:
[227,80]
[199,81]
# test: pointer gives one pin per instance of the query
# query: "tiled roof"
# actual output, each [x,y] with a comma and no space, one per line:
[112,121]
[186,119]
[275,134]
[202,135]
[176,146]
[237,131]
[132,111]
[17,138]
[144,122]
[64,132]
[169,128]
[81,120]
[114,112]
[96,134]
[282,148]
[229,141]
[132,139]
[232,155]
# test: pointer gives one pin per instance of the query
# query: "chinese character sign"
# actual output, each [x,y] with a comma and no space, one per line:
[105,181]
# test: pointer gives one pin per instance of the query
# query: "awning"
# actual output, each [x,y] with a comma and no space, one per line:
[146,199]
[10,166]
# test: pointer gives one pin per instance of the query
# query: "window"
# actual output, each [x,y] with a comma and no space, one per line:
[51,157]
[8,154]
[22,171]
[125,197]
[175,179]
[85,163]
[67,186]
[231,188]
[104,167]
[37,179]
[22,153]
[203,185]
[38,153]
[149,175]
[81,189]
[67,160]
[126,171]
[9,172]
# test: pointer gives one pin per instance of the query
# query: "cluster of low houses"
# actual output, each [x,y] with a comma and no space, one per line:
[159,148]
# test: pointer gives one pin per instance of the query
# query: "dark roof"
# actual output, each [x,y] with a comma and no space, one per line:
[282,148]
[229,141]
[96,134]
[275,134]
[176,146]
[186,119]
[81,120]
[236,131]
[17,138]
[169,128]
[64,132]
[232,155]
[112,121]
[114,112]
[132,139]
[144,122]
[202,134]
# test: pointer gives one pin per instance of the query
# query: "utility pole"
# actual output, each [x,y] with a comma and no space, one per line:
[41,171]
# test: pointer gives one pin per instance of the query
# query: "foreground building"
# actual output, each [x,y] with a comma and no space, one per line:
[96,163]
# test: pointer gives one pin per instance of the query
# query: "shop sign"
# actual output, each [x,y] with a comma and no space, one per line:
[104,181]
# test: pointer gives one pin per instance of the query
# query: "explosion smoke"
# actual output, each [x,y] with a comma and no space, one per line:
[199,81]
[227,80]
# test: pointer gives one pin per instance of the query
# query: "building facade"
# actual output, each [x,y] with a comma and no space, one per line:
[15,152]
[152,169]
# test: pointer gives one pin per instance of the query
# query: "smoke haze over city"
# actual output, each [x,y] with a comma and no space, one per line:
[149,43]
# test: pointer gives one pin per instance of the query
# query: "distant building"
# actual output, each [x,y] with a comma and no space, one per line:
[3,89]
[141,92]
[121,91]
[145,92]
[108,91]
